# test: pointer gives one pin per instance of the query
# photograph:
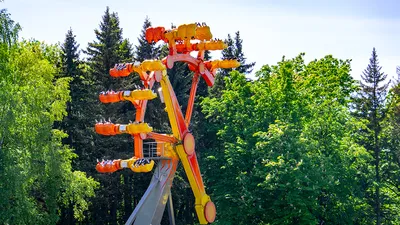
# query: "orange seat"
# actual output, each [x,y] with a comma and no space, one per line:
[108,166]
[121,70]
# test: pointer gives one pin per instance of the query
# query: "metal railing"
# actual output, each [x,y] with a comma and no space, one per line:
[153,149]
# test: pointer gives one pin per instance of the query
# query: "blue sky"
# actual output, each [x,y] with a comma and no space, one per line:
[270,29]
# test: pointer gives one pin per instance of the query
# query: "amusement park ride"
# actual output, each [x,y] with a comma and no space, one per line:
[167,149]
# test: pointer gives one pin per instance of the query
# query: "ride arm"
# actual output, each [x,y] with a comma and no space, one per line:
[186,151]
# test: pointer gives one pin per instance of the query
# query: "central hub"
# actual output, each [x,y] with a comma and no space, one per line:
[210,212]
[189,144]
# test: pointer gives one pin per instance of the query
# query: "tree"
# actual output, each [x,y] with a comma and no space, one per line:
[9,29]
[370,105]
[286,149]
[109,48]
[145,50]
[77,122]
[391,155]
[70,56]
[36,178]
[233,51]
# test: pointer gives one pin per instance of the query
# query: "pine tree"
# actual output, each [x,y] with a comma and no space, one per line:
[144,50]
[70,57]
[398,72]
[80,108]
[69,67]
[108,49]
[233,51]
[370,105]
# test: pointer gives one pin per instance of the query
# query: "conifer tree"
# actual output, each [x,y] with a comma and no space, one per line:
[108,49]
[370,105]
[144,50]
[233,51]
[80,110]
[70,68]
[70,57]
[391,154]
[78,123]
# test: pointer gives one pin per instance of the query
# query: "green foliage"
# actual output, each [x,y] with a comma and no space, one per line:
[9,29]
[35,167]
[286,149]
[109,48]
[369,104]
[144,50]
[70,55]
[291,147]
[115,198]
[391,155]
[233,51]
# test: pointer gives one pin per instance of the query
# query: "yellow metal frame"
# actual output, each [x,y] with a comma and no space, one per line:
[201,198]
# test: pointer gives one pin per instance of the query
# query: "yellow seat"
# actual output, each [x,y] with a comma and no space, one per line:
[225,64]
[152,65]
[215,45]
[201,46]
[171,35]
[130,163]
[191,30]
[143,168]
[186,31]
[145,94]
[137,128]
[203,33]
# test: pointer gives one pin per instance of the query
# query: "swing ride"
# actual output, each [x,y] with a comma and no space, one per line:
[167,149]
